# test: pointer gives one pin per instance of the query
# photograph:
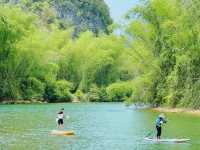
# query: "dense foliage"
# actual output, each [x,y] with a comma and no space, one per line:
[155,61]
[40,62]
[165,37]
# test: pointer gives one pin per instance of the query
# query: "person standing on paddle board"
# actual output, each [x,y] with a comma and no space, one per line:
[60,118]
[159,121]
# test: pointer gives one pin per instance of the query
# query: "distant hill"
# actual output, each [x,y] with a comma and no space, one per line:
[83,15]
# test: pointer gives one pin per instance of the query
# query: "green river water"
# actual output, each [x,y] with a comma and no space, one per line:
[98,126]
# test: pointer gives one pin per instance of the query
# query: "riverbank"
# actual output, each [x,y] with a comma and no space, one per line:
[23,102]
[177,110]
[30,101]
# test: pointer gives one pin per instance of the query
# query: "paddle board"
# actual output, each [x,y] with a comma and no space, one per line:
[167,140]
[59,132]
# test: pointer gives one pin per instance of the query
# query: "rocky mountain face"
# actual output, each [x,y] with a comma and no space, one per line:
[82,15]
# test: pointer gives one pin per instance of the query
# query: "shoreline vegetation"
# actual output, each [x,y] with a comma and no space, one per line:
[29,102]
[7,102]
[154,60]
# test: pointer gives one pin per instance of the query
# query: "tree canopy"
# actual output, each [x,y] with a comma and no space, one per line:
[155,61]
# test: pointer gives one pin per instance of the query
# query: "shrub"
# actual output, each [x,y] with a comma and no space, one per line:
[119,92]
[32,88]
[97,94]
[58,91]
[103,95]
[94,94]
[80,96]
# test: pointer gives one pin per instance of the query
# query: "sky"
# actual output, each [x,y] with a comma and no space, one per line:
[118,8]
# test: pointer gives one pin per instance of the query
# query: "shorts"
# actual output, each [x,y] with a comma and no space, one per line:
[60,122]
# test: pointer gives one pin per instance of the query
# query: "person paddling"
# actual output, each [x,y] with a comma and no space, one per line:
[60,118]
[159,121]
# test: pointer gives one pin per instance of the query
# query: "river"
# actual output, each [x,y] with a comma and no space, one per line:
[98,126]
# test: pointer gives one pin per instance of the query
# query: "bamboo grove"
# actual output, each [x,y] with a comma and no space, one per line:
[155,60]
